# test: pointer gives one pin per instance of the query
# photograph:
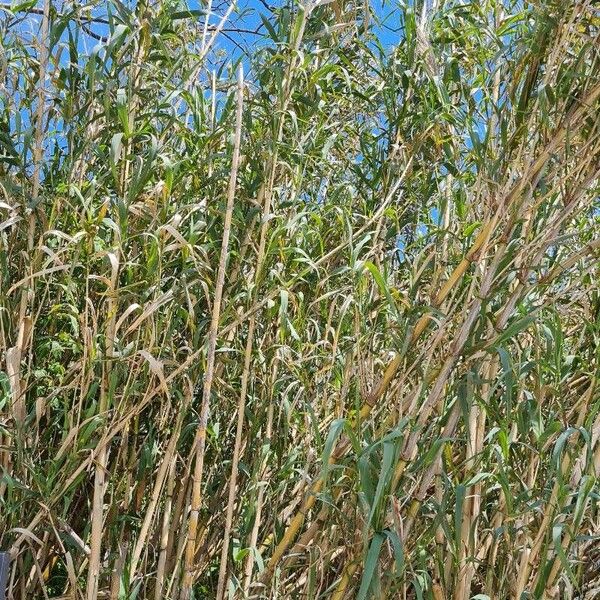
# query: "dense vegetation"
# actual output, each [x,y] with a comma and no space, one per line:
[326,329]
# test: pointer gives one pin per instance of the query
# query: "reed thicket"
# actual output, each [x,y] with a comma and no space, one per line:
[306,312]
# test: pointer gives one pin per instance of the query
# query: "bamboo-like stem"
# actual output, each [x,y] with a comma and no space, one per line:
[390,372]
[241,408]
[102,460]
[476,249]
[267,193]
[346,578]
[479,242]
[200,439]
[14,355]
[164,534]
[249,565]
[158,485]
[411,293]
[40,112]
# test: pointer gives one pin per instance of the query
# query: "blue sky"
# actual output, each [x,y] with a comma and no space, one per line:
[241,35]
[247,16]
[237,37]
[246,19]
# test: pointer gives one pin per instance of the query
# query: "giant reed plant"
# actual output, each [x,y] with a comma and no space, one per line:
[330,330]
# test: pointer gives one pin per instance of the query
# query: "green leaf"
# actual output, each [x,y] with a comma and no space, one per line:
[385,474]
[370,566]
[513,330]
[398,551]
[187,14]
[460,498]
[115,153]
[335,430]
[269,28]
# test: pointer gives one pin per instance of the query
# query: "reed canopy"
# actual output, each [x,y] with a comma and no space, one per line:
[300,300]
